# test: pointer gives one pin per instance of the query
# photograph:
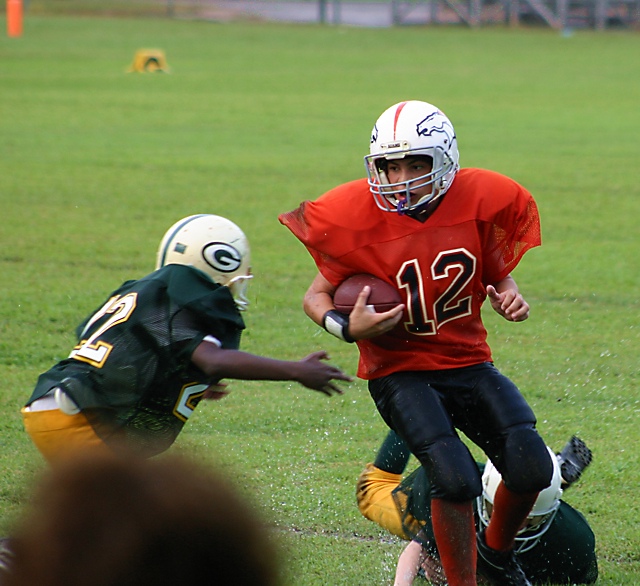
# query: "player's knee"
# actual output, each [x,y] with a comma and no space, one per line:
[453,473]
[527,462]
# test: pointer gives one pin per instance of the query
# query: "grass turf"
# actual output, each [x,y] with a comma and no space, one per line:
[95,163]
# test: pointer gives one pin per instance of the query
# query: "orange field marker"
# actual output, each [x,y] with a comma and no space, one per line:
[14,18]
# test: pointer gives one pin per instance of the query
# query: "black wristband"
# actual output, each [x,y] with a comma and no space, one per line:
[337,324]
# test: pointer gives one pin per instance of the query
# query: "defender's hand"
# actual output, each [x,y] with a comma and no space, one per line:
[318,376]
[215,392]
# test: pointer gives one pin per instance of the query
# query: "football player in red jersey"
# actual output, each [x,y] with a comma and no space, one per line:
[447,238]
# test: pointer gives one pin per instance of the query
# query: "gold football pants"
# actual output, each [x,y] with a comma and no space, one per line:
[57,434]
[376,501]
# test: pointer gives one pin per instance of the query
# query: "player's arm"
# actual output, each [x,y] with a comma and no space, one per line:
[362,323]
[408,564]
[507,301]
[311,371]
[319,299]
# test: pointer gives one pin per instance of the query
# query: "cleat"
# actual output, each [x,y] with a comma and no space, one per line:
[500,568]
[574,458]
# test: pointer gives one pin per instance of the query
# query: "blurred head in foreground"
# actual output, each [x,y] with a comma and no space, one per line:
[107,521]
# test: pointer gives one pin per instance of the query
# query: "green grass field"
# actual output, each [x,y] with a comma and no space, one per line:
[96,163]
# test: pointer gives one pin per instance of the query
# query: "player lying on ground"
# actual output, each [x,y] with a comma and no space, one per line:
[556,544]
[157,346]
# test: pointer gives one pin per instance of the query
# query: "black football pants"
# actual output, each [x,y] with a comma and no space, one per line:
[426,407]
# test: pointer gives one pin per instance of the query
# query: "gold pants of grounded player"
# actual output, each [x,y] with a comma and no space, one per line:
[57,434]
[376,502]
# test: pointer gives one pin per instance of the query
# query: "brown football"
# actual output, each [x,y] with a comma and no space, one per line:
[383,296]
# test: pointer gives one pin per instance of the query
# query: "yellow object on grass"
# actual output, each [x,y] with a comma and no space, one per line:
[149,60]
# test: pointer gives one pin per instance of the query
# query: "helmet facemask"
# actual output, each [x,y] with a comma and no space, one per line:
[400,197]
[238,287]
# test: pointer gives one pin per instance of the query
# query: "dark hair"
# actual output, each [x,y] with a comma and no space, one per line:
[110,521]
[383,164]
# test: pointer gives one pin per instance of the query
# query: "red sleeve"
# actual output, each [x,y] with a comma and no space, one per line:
[334,225]
[510,229]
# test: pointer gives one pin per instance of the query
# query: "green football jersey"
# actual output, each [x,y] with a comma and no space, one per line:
[565,553]
[131,372]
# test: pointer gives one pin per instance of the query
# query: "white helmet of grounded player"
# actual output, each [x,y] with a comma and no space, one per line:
[411,128]
[542,513]
[214,245]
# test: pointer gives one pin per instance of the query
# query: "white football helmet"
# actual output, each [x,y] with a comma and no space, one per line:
[542,513]
[214,245]
[411,128]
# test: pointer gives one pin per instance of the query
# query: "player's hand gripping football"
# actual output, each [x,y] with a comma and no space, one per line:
[318,376]
[365,323]
[510,304]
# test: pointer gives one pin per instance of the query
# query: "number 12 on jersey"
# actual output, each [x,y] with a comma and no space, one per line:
[459,267]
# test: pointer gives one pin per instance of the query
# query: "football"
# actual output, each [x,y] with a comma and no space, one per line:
[383,296]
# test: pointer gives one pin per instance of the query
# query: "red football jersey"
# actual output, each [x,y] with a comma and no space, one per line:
[474,238]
